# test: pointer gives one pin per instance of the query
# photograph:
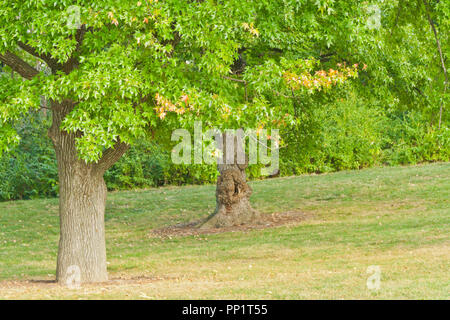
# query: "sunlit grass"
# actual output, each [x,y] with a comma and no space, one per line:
[395,218]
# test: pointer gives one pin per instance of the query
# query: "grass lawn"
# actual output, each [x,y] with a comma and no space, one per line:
[397,218]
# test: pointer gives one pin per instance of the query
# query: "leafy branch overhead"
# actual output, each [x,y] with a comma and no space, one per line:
[134,67]
[123,52]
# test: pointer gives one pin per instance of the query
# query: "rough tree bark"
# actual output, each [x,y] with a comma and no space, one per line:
[232,192]
[82,198]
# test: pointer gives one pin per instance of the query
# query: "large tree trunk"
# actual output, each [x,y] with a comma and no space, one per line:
[232,192]
[82,198]
[82,229]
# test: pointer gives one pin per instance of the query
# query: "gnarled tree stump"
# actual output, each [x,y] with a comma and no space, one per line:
[232,195]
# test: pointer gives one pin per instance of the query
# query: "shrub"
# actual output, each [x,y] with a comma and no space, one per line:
[348,134]
[29,170]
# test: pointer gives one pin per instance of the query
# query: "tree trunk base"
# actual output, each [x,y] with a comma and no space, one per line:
[233,201]
[223,218]
[82,249]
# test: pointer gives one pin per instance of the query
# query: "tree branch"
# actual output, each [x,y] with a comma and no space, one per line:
[18,65]
[52,63]
[326,56]
[399,9]
[241,81]
[73,62]
[438,44]
[234,79]
[286,96]
[112,155]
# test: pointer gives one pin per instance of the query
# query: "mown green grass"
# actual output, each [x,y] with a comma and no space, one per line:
[397,218]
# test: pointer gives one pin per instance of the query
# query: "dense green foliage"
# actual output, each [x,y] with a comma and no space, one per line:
[29,170]
[349,135]
[146,67]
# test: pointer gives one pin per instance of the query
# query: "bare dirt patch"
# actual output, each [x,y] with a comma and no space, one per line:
[52,284]
[265,221]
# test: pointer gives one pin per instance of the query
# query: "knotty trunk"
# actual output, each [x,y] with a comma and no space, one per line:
[232,192]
